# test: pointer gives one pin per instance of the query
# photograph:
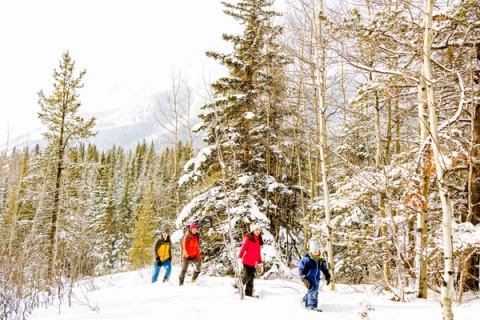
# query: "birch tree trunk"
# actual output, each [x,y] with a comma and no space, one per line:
[320,85]
[299,123]
[421,221]
[174,106]
[447,285]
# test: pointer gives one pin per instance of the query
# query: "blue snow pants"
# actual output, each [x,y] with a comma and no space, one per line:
[156,270]
[310,299]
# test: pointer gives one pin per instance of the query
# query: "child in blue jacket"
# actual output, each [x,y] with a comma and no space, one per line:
[309,268]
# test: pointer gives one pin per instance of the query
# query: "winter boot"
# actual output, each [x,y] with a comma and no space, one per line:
[180,281]
[195,276]
[165,279]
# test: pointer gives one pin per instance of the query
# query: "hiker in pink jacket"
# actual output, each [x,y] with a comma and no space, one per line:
[251,255]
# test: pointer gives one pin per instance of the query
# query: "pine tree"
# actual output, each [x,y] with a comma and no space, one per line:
[144,233]
[126,212]
[58,113]
[241,128]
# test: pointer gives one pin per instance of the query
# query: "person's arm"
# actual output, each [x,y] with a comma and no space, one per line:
[260,261]
[326,273]
[243,248]
[303,271]
[155,250]
[302,268]
[184,246]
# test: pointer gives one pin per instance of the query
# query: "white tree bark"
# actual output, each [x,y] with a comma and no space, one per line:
[421,226]
[447,285]
[320,80]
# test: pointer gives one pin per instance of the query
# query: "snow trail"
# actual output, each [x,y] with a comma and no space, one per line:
[130,295]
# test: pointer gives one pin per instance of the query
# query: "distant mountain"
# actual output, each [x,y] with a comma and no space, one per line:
[122,127]
[127,126]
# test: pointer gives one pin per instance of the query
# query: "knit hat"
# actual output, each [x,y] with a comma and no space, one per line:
[254,226]
[193,225]
[313,246]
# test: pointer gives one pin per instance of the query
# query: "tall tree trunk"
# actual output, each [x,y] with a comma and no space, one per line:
[175,89]
[381,196]
[320,85]
[447,285]
[378,163]
[421,264]
[472,280]
[299,124]
[52,256]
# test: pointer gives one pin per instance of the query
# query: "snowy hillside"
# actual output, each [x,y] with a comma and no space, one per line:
[122,127]
[131,296]
[127,126]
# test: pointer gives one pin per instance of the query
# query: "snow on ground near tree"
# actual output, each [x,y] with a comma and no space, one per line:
[131,296]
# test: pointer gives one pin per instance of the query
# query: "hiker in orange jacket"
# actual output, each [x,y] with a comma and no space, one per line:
[191,253]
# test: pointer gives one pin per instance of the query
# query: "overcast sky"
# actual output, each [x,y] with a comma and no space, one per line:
[129,49]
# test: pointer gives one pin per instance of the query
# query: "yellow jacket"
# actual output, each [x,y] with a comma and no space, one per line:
[163,249]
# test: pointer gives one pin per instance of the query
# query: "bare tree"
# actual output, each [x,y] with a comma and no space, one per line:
[173,115]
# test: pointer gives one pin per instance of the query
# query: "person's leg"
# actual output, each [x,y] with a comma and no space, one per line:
[185,263]
[249,276]
[168,270]
[244,275]
[312,297]
[156,271]
[198,264]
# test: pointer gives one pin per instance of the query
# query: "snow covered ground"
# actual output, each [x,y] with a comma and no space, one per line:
[131,296]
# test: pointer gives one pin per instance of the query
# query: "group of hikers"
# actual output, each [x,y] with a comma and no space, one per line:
[249,258]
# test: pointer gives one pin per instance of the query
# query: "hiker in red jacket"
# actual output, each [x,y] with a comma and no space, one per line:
[251,257]
[190,253]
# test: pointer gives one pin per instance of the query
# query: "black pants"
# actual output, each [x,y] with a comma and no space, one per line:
[247,278]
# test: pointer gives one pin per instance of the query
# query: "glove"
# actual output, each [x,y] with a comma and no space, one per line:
[306,282]
[159,263]
[157,258]
[328,282]
[260,269]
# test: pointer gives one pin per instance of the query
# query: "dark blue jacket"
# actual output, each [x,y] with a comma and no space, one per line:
[310,268]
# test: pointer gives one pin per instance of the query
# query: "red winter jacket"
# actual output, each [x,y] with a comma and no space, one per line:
[250,253]
[191,246]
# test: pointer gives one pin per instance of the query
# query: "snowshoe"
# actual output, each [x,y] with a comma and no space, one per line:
[314,309]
